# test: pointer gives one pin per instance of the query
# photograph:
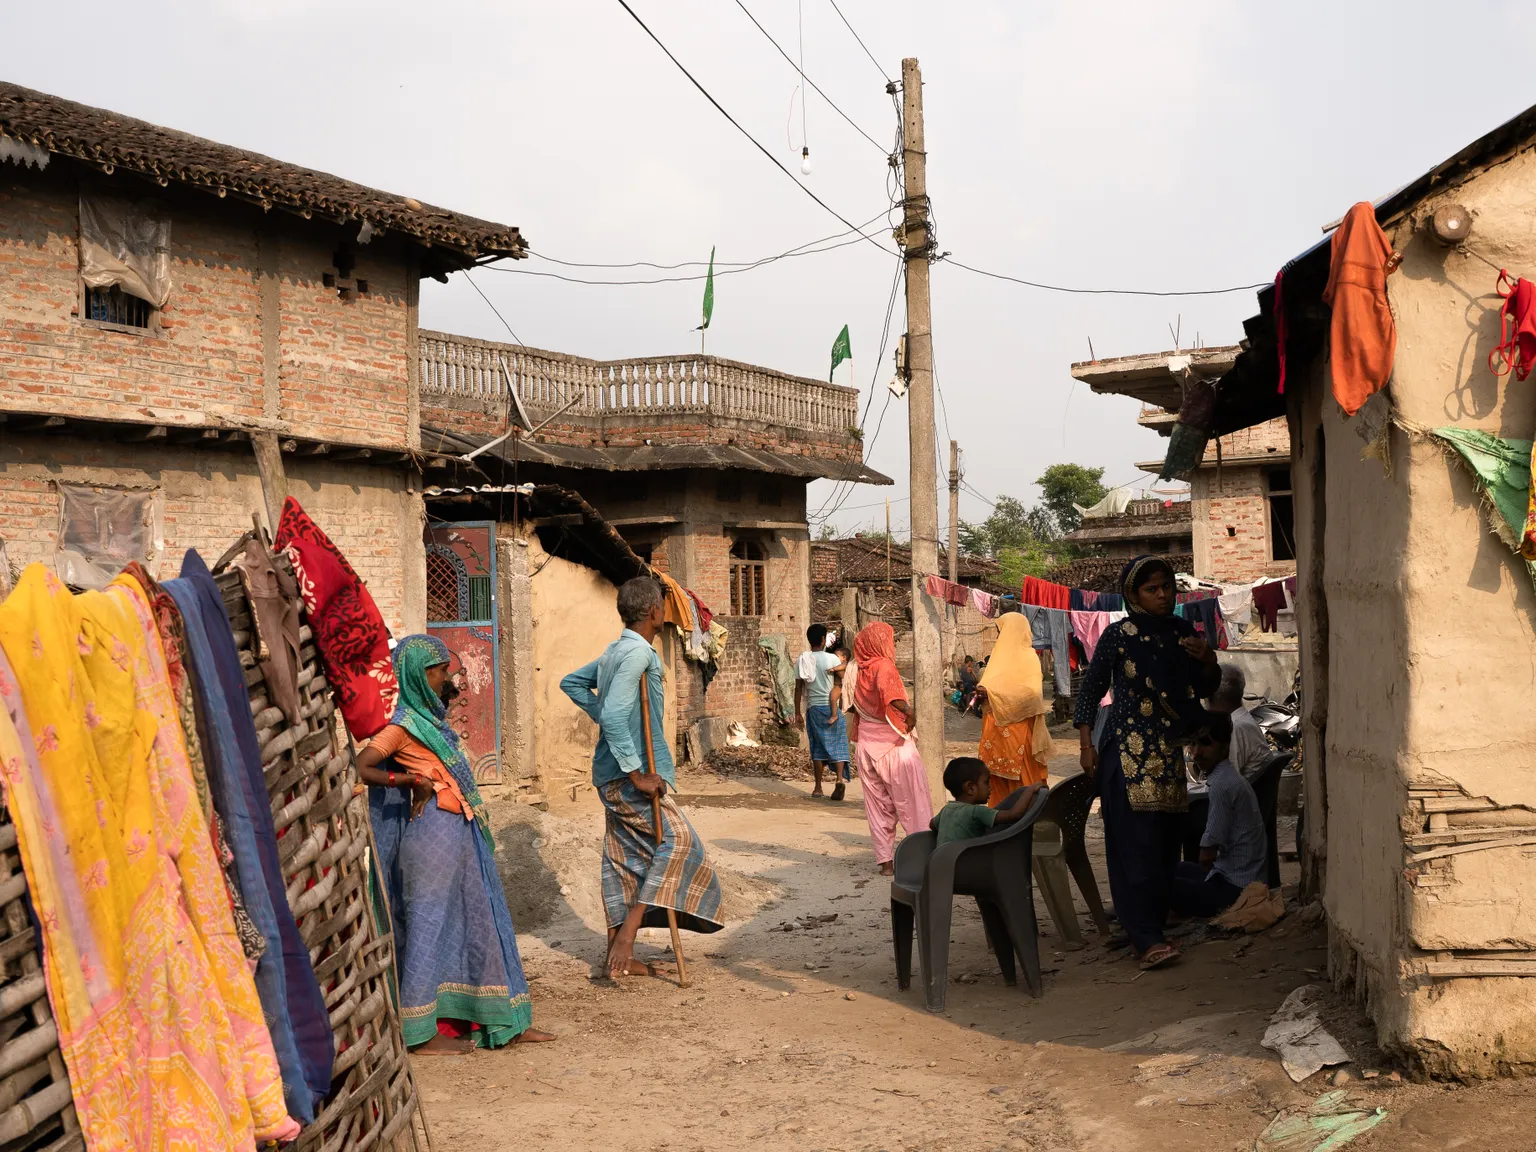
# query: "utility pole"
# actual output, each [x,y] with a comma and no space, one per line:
[954,512]
[917,243]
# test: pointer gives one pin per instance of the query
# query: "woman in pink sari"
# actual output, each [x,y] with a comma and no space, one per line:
[890,768]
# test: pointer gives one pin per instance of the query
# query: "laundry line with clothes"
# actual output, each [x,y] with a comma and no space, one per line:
[185,813]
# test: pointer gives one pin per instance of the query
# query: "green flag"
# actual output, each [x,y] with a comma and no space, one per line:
[709,290]
[842,349]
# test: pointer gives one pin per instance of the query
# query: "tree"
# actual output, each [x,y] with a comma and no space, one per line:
[1063,486]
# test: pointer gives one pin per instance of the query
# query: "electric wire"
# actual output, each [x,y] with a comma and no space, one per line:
[774,160]
[804,79]
[862,45]
[719,264]
[515,271]
[1104,291]
[516,339]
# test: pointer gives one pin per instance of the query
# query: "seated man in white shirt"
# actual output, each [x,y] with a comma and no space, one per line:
[1250,749]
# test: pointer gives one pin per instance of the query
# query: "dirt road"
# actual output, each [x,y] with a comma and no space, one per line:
[797,1037]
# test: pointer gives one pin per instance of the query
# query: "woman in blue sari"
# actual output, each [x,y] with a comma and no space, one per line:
[461,981]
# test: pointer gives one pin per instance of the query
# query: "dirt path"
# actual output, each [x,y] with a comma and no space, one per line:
[798,1037]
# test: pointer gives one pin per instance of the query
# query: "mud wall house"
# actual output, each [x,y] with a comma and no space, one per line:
[697,465]
[1417,623]
[164,300]
[1241,515]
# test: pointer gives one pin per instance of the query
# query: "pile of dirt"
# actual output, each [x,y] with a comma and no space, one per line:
[551,869]
[781,763]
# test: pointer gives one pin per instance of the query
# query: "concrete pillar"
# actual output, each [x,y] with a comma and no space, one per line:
[519,767]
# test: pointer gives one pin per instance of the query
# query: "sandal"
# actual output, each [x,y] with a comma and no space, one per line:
[1159,956]
[839,792]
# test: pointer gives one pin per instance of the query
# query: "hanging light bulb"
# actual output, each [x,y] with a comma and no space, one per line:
[805,160]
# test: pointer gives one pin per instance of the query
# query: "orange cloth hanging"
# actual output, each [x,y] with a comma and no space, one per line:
[1363,336]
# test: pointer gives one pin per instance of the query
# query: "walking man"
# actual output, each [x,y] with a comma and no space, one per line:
[815,711]
[641,878]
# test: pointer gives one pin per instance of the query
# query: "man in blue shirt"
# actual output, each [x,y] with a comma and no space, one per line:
[1234,851]
[641,878]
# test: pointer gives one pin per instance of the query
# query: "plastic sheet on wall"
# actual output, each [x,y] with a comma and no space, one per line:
[102,529]
[127,244]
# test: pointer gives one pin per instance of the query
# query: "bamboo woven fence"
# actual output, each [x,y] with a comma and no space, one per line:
[324,842]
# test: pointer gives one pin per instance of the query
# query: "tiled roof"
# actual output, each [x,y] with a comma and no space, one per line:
[1102,573]
[114,142]
[862,561]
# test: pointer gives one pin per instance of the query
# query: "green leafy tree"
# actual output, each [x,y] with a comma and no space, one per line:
[1064,485]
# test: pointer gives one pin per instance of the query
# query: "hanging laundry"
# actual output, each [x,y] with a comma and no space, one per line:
[138,942]
[1081,600]
[1110,602]
[349,632]
[1051,629]
[945,592]
[1362,334]
[1236,602]
[705,615]
[1196,594]
[1045,594]
[1205,615]
[677,609]
[1087,627]
[986,603]
[274,598]
[1268,599]
[1517,328]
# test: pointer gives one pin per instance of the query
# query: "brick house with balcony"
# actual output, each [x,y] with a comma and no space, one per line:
[285,306]
[700,464]
[1241,518]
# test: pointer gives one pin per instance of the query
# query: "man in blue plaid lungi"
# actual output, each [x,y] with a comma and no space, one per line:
[641,878]
[825,729]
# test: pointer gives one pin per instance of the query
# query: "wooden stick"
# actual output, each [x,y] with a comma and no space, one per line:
[650,766]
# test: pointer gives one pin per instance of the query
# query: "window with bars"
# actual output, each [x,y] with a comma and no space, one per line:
[114,306]
[442,587]
[749,578]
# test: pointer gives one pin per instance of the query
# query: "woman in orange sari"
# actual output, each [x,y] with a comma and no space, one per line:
[889,765]
[1015,741]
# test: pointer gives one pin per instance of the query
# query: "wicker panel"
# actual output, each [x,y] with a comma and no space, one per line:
[36,1110]
[324,838]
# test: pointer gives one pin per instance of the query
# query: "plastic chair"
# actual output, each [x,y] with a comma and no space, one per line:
[1059,847]
[995,870]
[1266,786]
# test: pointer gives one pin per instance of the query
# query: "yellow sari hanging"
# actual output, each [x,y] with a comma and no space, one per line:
[158,1031]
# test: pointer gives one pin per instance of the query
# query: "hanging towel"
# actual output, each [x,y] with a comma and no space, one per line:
[1045,594]
[1268,599]
[1362,334]
[1236,602]
[349,632]
[986,603]
[1082,600]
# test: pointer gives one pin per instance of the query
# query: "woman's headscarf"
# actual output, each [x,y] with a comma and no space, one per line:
[1136,573]
[421,712]
[1012,678]
[879,682]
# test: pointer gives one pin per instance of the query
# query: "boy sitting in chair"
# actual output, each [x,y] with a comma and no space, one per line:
[967,815]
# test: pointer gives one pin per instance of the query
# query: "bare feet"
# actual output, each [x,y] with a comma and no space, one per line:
[887,869]
[534,1036]
[441,1045]
[817,793]
[621,955]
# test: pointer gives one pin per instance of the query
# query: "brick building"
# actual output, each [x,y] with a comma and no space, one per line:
[1148,526]
[1241,514]
[285,303]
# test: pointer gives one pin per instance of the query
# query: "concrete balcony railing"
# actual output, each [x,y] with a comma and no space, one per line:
[652,394]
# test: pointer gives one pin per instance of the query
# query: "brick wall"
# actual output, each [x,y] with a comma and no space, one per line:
[344,366]
[204,499]
[824,563]
[1232,531]
[1271,438]
[733,693]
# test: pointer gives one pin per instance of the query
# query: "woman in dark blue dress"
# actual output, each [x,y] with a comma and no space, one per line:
[1158,669]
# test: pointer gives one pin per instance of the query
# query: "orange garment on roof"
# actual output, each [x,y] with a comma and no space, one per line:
[1363,336]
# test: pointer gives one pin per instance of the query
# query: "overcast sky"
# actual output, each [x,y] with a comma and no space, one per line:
[1114,144]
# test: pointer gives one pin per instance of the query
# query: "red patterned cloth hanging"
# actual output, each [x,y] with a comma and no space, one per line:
[1517,347]
[349,631]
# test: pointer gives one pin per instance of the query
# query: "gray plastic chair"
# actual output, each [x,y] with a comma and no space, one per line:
[1059,848]
[995,870]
